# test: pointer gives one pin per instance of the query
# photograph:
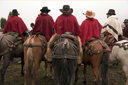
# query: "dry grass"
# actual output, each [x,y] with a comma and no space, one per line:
[13,75]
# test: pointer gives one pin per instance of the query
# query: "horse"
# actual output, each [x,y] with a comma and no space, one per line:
[34,50]
[120,52]
[64,60]
[10,47]
[95,53]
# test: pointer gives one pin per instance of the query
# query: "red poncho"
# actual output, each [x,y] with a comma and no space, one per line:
[89,28]
[43,24]
[66,23]
[15,23]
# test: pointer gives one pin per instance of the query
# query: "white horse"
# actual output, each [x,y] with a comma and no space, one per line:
[120,53]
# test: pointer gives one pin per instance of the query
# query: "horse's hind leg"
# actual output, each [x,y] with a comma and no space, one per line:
[57,69]
[45,72]
[51,75]
[84,74]
[0,57]
[126,79]
[96,73]
[72,65]
[5,65]
[125,69]
[22,64]
[76,74]
[36,67]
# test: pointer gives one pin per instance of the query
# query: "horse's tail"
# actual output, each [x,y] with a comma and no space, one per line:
[29,63]
[64,67]
[104,68]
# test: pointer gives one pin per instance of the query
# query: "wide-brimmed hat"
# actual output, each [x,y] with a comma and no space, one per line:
[66,9]
[45,9]
[15,12]
[90,14]
[126,21]
[111,12]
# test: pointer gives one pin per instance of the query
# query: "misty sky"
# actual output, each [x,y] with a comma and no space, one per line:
[29,10]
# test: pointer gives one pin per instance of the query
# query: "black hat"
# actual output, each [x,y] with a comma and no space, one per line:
[32,24]
[111,12]
[45,9]
[126,21]
[15,12]
[66,9]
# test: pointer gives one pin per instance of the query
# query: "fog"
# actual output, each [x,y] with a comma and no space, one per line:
[29,10]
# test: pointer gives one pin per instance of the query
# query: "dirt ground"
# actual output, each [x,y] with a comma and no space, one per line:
[13,77]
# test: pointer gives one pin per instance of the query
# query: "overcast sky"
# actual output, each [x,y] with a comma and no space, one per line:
[29,10]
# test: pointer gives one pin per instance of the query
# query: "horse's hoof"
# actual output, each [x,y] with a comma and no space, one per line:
[19,62]
[51,77]
[76,80]
[46,75]
[84,83]
[22,74]
[94,80]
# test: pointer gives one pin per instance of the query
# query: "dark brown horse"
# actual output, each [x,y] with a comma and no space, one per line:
[64,54]
[96,53]
[34,50]
[10,47]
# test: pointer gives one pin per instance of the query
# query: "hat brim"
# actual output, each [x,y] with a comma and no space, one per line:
[93,15]
[15,14]
[45,10]
[125,22]
[110,14]
[66,12]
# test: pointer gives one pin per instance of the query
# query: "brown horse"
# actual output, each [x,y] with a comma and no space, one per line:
[96,53]
[10,47]
[34,49]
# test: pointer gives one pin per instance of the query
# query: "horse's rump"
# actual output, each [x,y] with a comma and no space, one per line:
[38,43]
[35,41]
[95,47]
[58,49]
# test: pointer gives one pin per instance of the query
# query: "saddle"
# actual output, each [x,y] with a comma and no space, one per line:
[67,36]
[15,34]
[89,48]
[121,45]
[58,49]
[43,42]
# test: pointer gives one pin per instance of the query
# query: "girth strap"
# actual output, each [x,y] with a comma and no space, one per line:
[33,45]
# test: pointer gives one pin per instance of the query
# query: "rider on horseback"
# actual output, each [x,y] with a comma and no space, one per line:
[44,23]
[90,28]
[65,22]
[112,29]
[16,25]
[125,30]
